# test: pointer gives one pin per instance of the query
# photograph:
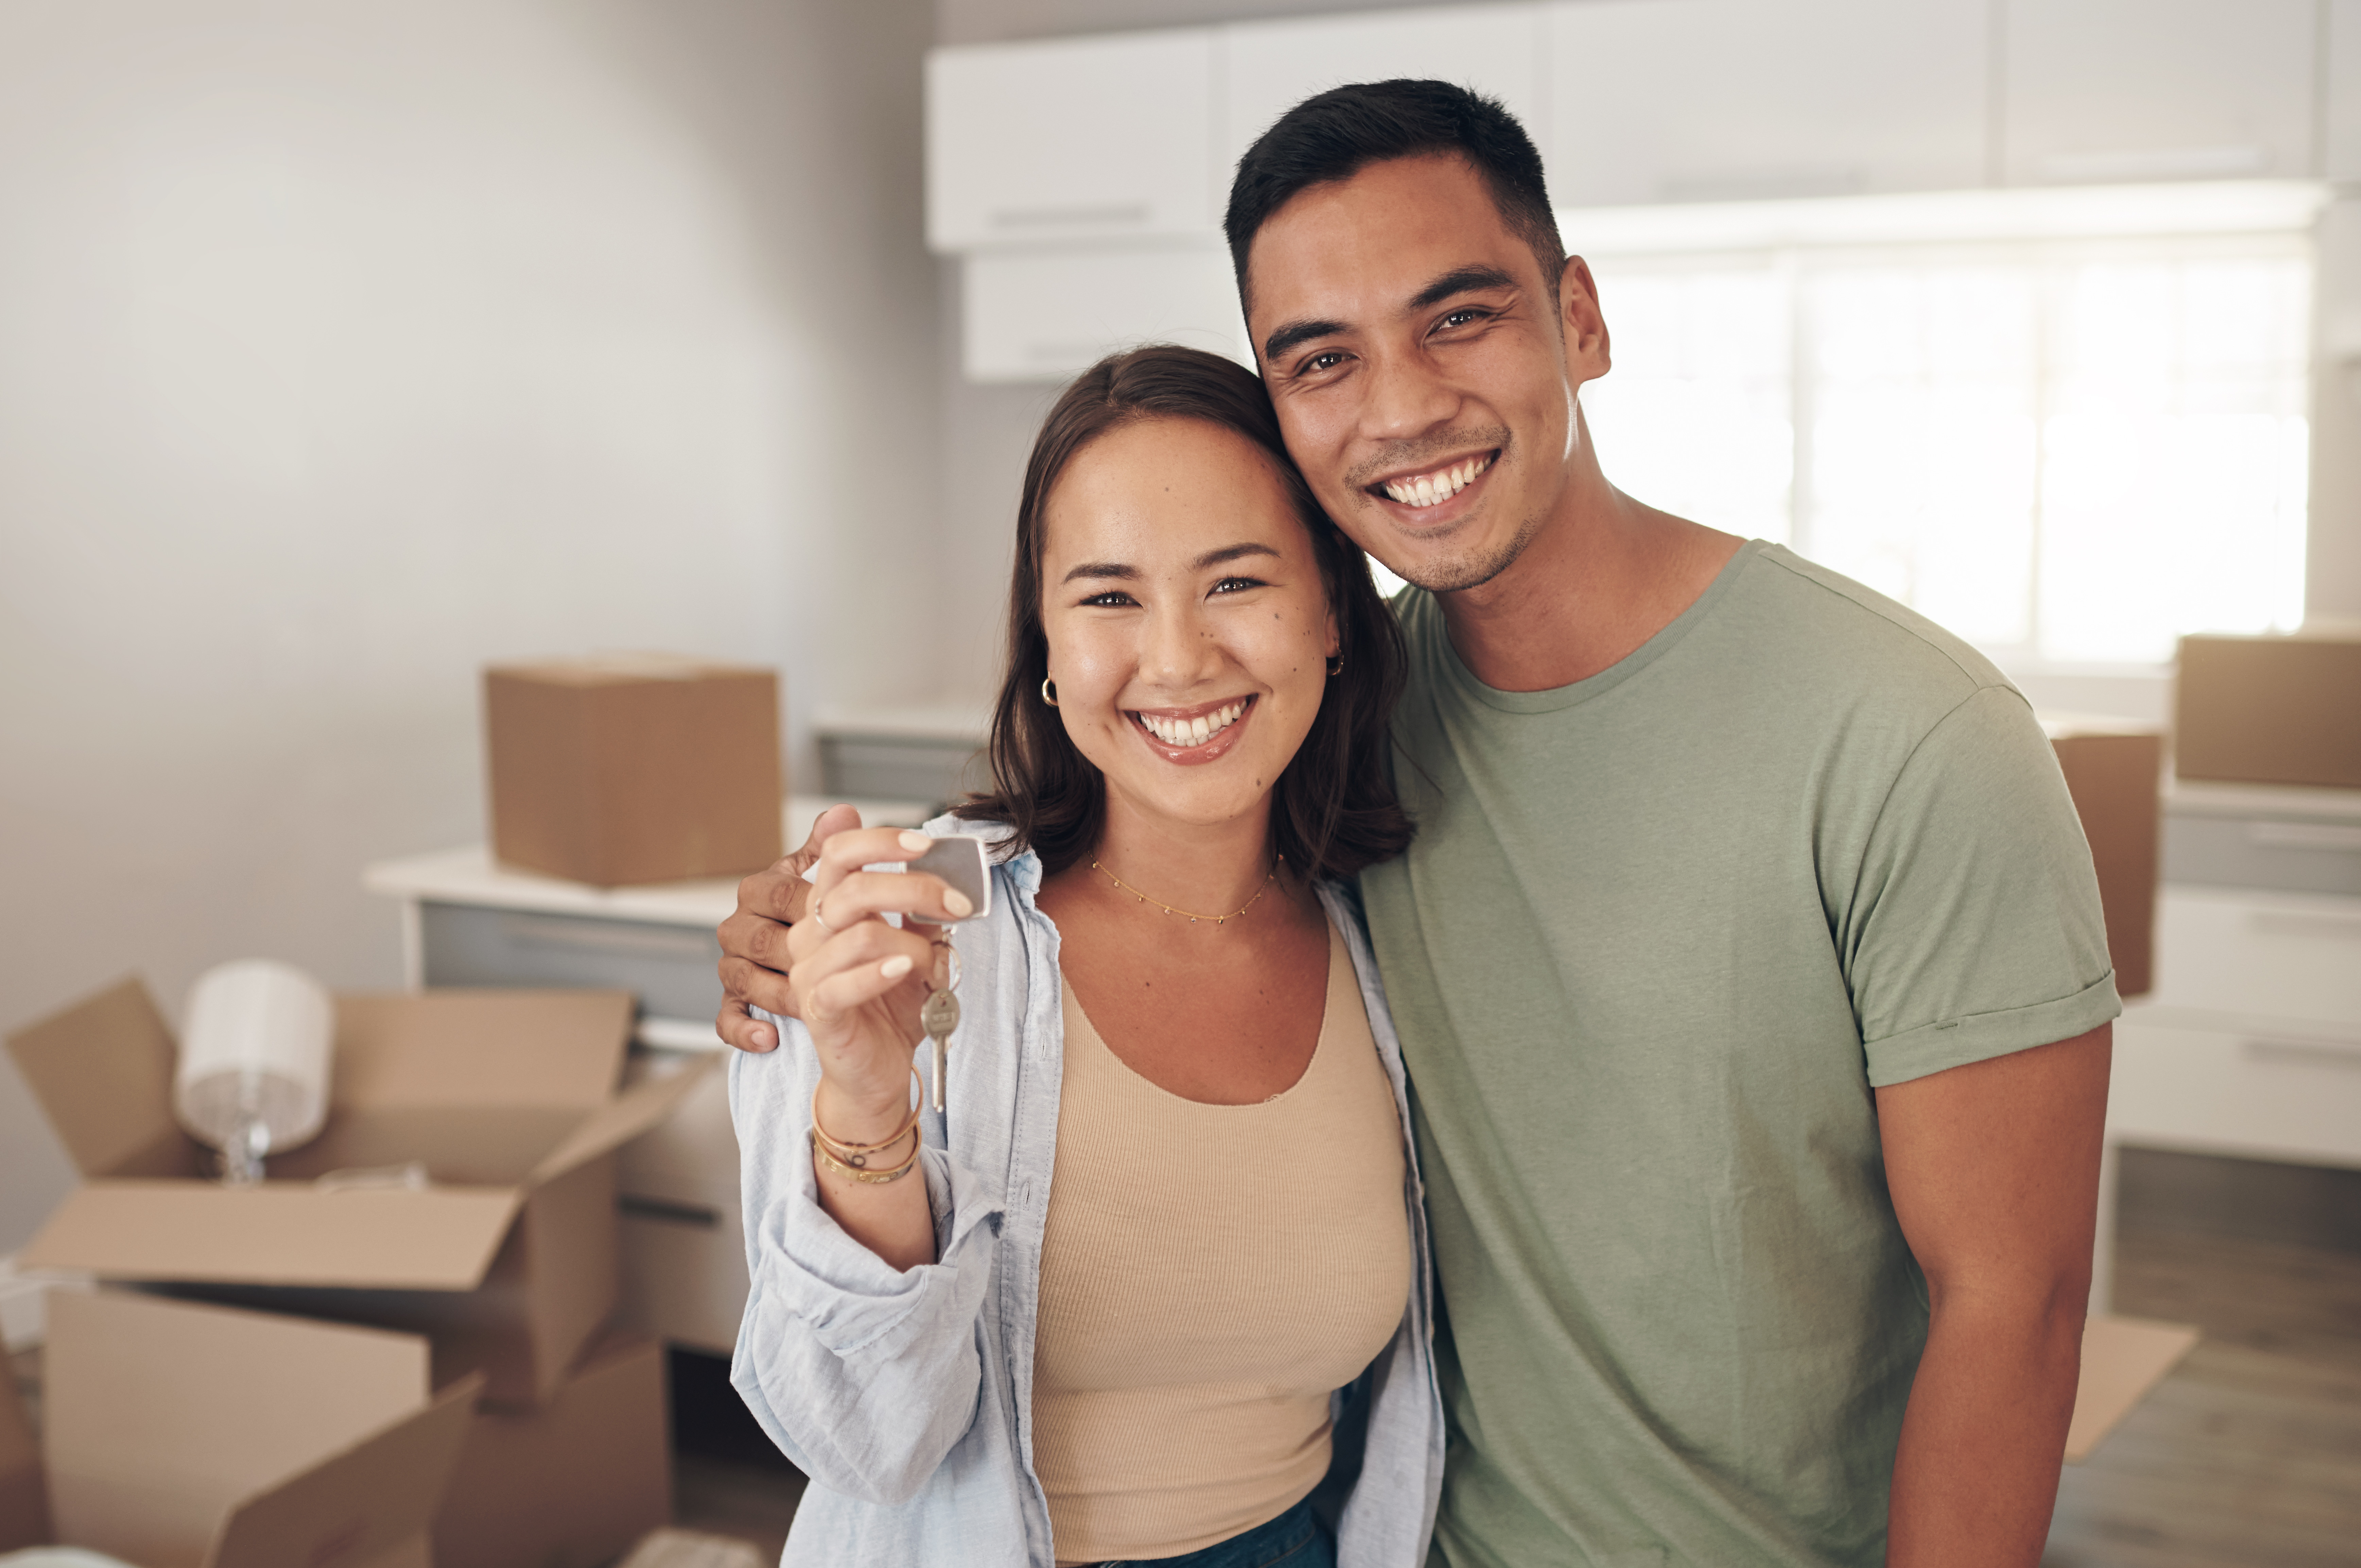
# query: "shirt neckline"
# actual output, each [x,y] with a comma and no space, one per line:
[1336,948]
[1555,698]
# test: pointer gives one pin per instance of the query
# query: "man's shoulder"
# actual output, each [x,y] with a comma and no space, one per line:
[1827,623]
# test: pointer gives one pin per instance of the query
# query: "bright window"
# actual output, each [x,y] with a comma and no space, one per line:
[2067,450]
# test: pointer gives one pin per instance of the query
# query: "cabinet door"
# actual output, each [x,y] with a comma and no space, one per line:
[1044,316]
[2343,80]
[1075,138]
[1725,100]
[2101,91]
[1269,67]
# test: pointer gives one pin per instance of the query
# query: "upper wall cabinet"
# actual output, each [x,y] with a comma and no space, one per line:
[1269,67]
[1721,100]
[2099,91]
[1085,139]
[1044,316]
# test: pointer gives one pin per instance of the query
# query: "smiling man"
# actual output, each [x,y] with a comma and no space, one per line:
[1748,964]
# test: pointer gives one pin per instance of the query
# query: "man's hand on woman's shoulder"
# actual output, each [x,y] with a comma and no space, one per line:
[755,962]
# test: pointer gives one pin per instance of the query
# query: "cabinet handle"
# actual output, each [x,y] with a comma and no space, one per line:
[670,1213]
[2303,835]
[1081,216]
[2304,1053]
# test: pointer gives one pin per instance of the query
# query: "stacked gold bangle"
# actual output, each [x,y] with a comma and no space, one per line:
[851,1160]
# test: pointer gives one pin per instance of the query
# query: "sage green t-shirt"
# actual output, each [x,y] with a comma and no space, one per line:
[1661,934]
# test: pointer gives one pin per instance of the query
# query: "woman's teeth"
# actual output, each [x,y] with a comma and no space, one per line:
[1428,489]
[1193,731]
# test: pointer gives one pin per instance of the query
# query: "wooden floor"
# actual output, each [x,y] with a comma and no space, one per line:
[2249,1455]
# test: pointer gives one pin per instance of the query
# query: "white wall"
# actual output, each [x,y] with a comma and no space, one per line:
[345,347]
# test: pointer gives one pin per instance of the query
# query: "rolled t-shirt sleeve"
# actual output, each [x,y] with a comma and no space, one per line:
[1974,928]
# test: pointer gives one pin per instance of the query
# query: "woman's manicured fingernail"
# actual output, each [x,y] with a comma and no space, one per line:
[957,902]
[895,968]
[916,841]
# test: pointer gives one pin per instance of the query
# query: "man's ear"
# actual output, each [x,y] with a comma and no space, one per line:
[1581,321]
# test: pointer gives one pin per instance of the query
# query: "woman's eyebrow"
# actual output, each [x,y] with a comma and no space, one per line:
[1231,552]
[1102,569]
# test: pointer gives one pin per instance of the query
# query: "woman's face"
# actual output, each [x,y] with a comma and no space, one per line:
[1189,630]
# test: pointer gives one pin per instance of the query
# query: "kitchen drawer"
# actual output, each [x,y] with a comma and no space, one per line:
[2255,1093]
[2282,854]
[673,969]
[691,1156]
[684,1273]
[2251,955]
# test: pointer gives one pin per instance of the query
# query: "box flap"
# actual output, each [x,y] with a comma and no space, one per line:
[620,1120]
[2123,1359]
[480,1047]
[24,1503]
[362,1504]
[277,1234]
[162,1415]
[103,1071]
[620,668]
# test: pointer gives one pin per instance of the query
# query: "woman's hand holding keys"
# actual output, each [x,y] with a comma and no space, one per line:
[858,984]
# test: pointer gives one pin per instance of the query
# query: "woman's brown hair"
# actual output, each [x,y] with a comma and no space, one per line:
[1334,810]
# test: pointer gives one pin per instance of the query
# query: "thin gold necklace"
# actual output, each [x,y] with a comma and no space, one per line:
[1276,861]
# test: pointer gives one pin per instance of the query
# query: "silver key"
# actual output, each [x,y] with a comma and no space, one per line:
[939,1017]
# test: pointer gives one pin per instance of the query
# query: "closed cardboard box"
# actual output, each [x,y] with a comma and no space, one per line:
[506,1258]
[2114,769]
[2270,710]
[572,1485]
[625,770]
[179,1435]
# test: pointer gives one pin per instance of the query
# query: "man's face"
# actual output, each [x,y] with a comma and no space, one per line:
[1423,372]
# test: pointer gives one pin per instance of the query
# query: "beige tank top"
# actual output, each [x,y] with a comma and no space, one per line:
[1209,1274]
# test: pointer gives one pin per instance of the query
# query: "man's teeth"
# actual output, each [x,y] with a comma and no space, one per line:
[1192,731]
[1429,489]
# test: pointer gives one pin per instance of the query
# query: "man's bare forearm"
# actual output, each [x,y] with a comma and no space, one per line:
[1975,1478]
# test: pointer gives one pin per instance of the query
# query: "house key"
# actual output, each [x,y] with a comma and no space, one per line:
[940,1016]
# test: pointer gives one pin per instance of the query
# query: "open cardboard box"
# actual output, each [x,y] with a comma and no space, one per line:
[181,1436]
[506,1260]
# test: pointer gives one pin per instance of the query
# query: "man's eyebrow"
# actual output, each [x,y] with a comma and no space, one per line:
[1461,280]
[1102,569]
[1233,552]
[1293,333]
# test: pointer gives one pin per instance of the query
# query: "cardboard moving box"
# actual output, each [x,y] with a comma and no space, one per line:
[2114,771]
[506,1260]
[180,1436]
[634,768]
[572,1485]
[2273,710]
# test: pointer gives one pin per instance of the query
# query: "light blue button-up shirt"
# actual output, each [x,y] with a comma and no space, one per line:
[907,1397]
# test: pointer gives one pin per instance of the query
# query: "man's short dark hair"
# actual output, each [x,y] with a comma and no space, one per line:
[1335,135]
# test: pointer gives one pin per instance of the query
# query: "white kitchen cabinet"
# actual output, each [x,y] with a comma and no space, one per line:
[2095,91]
[1719,100]
[1070,139]
[1044,316]
[2341,78]
[2250,1045]
[1269,67]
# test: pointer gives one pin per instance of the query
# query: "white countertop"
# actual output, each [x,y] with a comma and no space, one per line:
[470,875]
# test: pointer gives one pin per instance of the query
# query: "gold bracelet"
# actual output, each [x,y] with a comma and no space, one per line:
[874,1178]
[857,1156]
